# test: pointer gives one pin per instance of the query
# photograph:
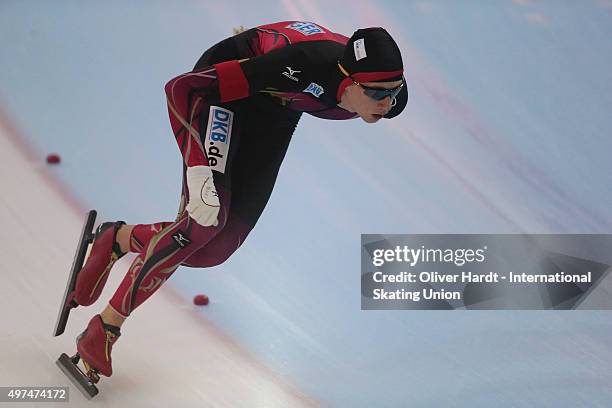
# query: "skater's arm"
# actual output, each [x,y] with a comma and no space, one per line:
[229,81]
[188,92]
[185,95]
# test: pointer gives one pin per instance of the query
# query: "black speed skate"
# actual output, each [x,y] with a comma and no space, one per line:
[87,237]
[84,381]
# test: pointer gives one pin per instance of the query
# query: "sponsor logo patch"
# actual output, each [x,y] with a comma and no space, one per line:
[306,28]
[290,74]
[315,89]
[181,239]
[359,48]
[218,135]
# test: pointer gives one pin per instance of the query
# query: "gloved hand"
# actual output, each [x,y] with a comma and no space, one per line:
[203,205]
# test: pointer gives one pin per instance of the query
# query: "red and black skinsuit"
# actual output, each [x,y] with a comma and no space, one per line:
[236,112]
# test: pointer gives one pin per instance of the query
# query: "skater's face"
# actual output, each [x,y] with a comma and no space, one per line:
[369,99]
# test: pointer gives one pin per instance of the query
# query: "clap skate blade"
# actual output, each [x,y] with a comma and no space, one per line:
[84,381]
[87,237]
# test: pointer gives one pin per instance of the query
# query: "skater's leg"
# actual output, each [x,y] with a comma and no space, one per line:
[93,275]
[151,268]
[161,248]
[123,237]
[217,251]
[112,241]
[162,255]
[138,237]
[110,316]
[133,238]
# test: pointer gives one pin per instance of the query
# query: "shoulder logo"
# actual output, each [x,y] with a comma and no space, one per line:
[306,28]
[315,89]
[290,74]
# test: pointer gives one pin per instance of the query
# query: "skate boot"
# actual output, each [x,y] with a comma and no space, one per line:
[94,347]
[105,251]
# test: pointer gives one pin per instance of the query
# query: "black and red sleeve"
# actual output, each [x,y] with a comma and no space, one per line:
[225,82]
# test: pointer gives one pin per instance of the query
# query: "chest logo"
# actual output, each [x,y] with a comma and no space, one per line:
[290,73]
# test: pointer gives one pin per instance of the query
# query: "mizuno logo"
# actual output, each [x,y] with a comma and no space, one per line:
[290,74]
[181,239]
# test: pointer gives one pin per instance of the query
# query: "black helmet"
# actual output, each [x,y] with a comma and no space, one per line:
[371,55]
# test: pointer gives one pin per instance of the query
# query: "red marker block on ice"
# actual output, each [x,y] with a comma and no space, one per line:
[53,158]
[200,300]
